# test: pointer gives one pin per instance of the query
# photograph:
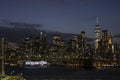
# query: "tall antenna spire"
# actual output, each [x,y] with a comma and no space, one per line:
[97,20]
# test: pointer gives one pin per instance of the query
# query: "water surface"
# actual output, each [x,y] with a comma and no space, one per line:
[65,73]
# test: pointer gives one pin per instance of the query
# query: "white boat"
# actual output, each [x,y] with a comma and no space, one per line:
[36,64]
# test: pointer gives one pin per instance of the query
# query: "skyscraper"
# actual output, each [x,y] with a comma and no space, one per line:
[83,35]
[97,34]
[105,38]
[110,43]
[56,40]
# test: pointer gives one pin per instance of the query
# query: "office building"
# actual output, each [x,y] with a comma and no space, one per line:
[97,34]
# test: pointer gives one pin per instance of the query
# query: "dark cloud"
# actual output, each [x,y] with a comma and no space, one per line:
[20,24]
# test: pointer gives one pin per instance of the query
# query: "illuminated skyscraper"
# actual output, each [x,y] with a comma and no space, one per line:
[56,40]
[105,38]
[83,38]
[107,47]
[111,48]
[26,44]
[104,42]
[41,35]
[74,41]
[42,43]
[110,43]
[110,39]
[97,34]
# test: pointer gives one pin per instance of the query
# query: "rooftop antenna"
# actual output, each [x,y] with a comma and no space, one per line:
[97,20]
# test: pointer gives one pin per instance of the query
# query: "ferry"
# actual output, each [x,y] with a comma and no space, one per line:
[36,64]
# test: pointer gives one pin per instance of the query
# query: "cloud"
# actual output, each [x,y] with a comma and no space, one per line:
[13,24]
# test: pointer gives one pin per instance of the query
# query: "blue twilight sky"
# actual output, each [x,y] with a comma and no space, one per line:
[69,16]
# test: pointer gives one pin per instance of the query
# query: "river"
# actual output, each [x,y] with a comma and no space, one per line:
[59,73]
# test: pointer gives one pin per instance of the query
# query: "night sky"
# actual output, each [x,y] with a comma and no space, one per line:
[68,16]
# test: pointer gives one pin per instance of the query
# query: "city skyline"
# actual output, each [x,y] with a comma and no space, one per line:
[66,16]
[78,49]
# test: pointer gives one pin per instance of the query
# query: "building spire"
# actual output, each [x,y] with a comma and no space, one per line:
[97,20]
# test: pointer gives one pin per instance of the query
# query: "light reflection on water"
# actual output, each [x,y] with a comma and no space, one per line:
[68,74]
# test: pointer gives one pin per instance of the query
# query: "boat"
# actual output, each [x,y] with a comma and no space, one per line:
[36,64]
